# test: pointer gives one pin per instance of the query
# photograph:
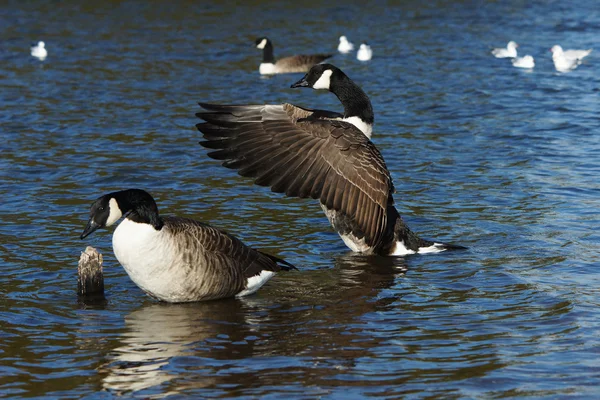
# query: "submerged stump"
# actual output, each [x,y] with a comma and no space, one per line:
[90,279]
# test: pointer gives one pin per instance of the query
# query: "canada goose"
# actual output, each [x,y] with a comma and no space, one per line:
[314,153]
[364,52]
[298,63]
[557,50]
[509,52]
[178,259]
[523,62]
[345,46]
[39,50]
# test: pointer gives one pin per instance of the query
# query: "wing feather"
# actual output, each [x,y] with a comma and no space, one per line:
[304,153]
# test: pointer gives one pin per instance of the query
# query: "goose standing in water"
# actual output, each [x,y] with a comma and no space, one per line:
[178,259]
[291,64]
[318,154]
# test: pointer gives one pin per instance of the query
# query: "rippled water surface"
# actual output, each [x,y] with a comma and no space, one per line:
[501,160]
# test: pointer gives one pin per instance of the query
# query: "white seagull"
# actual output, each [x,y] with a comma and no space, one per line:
[509,52]
[364,52]
[345,46]
[39,50]
[578,54]
[567,60]
[523,62]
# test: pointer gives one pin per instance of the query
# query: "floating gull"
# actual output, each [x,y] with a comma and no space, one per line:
[523,62]
[39,50]
[572,54]
[565,61]
[345,46]
[509,52]
[364,52]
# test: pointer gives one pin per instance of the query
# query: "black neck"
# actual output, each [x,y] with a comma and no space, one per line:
[355,101]
[142,206]
[268,56]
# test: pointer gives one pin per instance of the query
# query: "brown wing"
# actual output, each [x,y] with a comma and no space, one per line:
[287,148]
[223,257]
[300,63]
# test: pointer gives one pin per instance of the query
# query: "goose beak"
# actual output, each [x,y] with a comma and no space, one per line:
[89,228]
[301,83]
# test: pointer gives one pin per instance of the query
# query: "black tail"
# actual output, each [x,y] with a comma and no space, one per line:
[284,265]
[449,246]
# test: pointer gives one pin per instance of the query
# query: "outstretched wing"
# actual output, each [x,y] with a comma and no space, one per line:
[303,153]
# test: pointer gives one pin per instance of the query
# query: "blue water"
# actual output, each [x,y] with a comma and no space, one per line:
[502,160]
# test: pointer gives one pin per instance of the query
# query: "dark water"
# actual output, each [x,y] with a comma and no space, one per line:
[501,160]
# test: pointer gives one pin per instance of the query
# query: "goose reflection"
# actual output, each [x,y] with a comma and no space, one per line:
[239,343]
[157,333]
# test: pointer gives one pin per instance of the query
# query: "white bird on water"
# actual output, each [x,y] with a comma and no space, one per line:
[572,54]
[364,52]
[509,52]
[345,46]
[523,62]
[567,60]
[39,50]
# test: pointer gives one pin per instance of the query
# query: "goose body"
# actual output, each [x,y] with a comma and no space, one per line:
[345,46]
[178,259]
[39,50]
[292,64]
[509,52]
[523,62]
[364,52]
[318,154]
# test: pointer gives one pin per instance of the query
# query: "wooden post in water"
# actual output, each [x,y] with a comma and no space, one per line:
[90,279]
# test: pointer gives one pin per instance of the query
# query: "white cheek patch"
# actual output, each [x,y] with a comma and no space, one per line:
[324,81]
[262,44]
[115,212]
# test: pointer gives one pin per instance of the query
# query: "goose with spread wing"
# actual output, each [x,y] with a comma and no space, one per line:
[319,154]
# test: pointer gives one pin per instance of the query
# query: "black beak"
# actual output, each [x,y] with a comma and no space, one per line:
[89,228]
[301,83]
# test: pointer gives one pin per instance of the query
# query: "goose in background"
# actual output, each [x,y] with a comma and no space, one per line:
[345,46]
[178,259]
[523,62]
[39,50]
[291,64]
[364,52]
[509,52]
[318,154]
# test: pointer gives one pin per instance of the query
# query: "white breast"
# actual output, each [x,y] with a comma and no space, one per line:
[148,256]
[267,69]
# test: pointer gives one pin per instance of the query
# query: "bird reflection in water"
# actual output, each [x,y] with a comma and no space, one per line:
[175,348]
